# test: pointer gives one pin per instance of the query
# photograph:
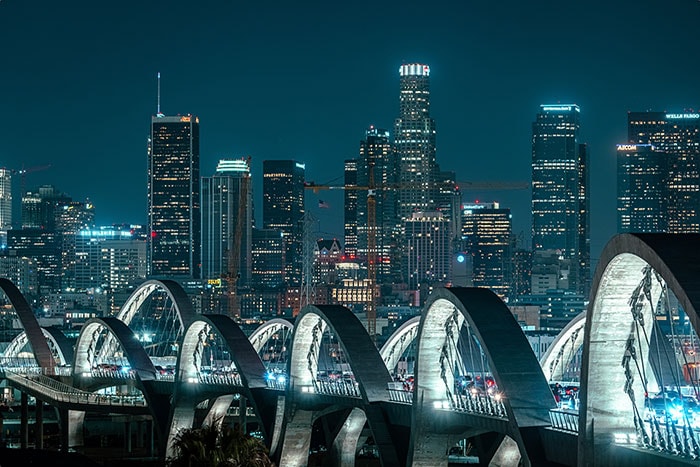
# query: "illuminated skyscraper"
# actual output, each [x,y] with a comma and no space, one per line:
[376,161]
[428,258]
[488,237]
[222,195]
[678,136]
[350,219]
[642,189]
[173,197]
[5,204]
[414,142]
[283,210]
[560,199]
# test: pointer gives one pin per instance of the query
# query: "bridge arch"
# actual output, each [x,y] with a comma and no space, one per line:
[60,347]
[563,349]
[243,356]
[29,323]
[514,367]
[183,305]
[631,274]
[364,360]
[263,333]
[399,342]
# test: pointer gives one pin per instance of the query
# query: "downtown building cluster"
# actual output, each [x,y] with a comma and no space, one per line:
[408,227]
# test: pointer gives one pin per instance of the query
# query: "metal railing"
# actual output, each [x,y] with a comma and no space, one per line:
[229,379]
[565,420]
[337,388]
[401,396]
[482,404]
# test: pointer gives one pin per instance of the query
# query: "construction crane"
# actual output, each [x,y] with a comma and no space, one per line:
[372,189]
[234,251]
[23,175]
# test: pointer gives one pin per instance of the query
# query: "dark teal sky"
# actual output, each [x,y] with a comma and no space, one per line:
[303,80]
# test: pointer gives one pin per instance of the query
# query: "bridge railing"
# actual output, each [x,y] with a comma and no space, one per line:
[64,393]
[229,379]
[337,388]
[401,396]
[565,420]
[482,404]
[666,436]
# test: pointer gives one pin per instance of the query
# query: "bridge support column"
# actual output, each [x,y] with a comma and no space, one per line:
[127,435]
[39,425]
[297,439]
[345,443]
[24,421]
[242,414]
[64,430]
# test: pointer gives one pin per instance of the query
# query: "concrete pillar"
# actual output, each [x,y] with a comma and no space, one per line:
[65,433]
[152,447]
[297,439]
[242,419]
[24,422]
[127,436]
[39,425]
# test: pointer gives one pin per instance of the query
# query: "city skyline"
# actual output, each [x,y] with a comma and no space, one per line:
[303,83]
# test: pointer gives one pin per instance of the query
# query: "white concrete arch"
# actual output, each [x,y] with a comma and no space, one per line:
[515,369]
[183,305]
[564,348]
[265,331]
[58,344]
[35,337]
[610,328]
[368,369]
[398,342]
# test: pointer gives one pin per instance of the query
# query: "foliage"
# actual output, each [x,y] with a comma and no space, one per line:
[218,446]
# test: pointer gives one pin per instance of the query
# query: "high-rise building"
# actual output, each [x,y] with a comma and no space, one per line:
[108,257]
[70,218]
[283,210]
[173,197]
[376,169]
[414,142]
[428,256]
[642,189]
[487,233]
[560,199]
[268,259]
[350,219]
[39,206]
[44,247]
[5,204]
[327,254]
[225,195]
[678,136]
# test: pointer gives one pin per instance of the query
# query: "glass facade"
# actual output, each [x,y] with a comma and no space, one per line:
[414,142]
[222,196]
[350,220]
[642,191]
[678,136]
[173,197]
[560,199]
[283,210]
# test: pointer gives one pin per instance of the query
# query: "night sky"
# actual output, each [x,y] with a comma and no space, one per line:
[303,80]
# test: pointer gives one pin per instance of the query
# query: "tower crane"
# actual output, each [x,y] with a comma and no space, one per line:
[23,174]
[371,190]
[234,251]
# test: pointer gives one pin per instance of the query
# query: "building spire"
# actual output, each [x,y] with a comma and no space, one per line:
[158,113]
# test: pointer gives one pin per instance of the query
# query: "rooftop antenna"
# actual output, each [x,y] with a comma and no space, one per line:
[158,113]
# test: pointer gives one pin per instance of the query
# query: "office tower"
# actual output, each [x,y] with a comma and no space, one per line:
[268,253]
[414,142]
[225,196]
[109,258]
[283,209]
[376,170]
[642,189]
[44,247]
[21,271]
[70,218]
[488,236]
[5,204]
[449,202]
[560,214]
[39,206]
[428,251]
[173,197]
[678,136]
[350,218]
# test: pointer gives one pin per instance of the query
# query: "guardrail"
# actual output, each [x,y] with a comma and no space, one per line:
[337,388]
[400,396]
[482,404]
[64,393]
[565,420]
